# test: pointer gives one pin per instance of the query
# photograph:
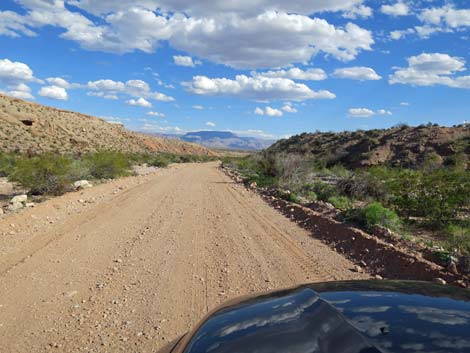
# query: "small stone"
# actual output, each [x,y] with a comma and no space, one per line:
[15,206]
[357,268]
[452,268]
[19,198]
[378,277]
[439,281]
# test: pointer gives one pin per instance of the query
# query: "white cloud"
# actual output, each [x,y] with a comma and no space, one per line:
[397,9]
[429,69]
[157,114]
[210,124]
[445,19]
[269,111]
[358,11]
[54,92]
[198,107]
[271,39]
[111,89]
[366,112]
[259,111]
[272,111]
[187,61]
[404,104]
[210,7]
[295,74]
[242,34]
[141,102]
[60,82]
[14,25]
[14,72]
[257,88]
[288,108]
[103,95]
[20,90]
[446,16]
[357,73]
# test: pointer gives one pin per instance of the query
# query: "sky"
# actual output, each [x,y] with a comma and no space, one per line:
[263,68]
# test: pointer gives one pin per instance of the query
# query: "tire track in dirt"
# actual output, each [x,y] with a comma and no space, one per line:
[145,261]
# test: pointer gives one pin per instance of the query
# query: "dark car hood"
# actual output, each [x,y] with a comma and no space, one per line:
[339,317]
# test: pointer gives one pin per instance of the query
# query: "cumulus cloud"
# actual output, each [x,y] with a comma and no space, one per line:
[357,73]
[210,7]
[288,108]
[198,107]
[141,102]
[60,82]
[447,16]
[14,25]
[269,111]
[430,69]
[187,61]
[242,34]
[445,19]
[295,73]
[397,9]
[20,90]
[157,114]
[366,112]
[111,89]
[257,88]
[358,11]
[210,124]
[54,92]
[15,72]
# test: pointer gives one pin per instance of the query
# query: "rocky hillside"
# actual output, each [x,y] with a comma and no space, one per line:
[398,146]
[30,127]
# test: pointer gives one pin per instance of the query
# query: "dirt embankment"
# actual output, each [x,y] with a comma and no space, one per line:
[385,259]
[128,265]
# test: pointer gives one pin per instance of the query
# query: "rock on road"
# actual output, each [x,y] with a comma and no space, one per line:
[128,265]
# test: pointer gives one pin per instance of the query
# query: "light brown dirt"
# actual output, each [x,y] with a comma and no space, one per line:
[129,265]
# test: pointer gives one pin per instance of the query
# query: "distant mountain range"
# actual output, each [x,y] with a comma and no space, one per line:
[223,140]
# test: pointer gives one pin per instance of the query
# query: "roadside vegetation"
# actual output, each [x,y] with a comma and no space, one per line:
[432,198]
[54,174]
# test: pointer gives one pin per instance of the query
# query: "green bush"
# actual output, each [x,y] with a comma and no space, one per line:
[288,196]
[7,163]
[107,164]
[324,191]
[44,174]
[377,215]
[341,202]
[458,238]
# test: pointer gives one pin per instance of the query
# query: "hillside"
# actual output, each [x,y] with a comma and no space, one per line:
[398,146]
[224,140]
[26,126]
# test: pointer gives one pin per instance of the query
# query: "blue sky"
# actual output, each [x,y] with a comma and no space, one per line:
[256,67]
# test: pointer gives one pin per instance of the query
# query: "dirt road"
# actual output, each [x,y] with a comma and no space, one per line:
[129,265]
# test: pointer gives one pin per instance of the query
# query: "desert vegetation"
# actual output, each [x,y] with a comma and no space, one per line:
[428,202]
[54,174]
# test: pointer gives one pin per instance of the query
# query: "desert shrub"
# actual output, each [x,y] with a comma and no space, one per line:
[438,196]
[376,214]
[107,164]
[324,191]
[7,163]
[362,186]
[340,202]
[288,196]
[458,238]
[44,174]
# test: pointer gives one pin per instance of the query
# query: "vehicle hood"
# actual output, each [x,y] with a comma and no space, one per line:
[339,317]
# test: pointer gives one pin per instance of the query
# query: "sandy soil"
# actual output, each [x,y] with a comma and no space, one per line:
[129,265]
